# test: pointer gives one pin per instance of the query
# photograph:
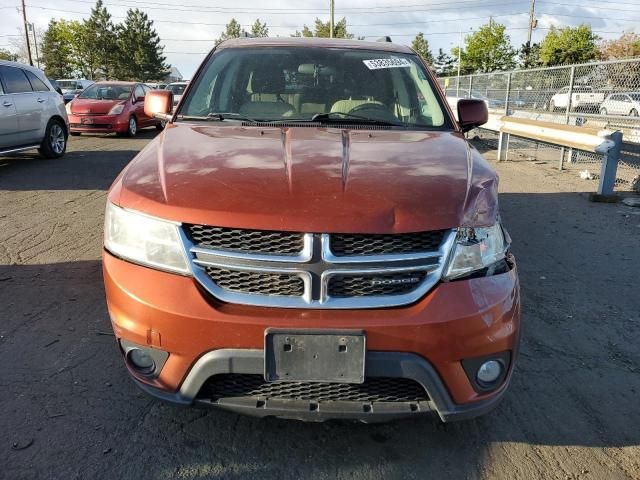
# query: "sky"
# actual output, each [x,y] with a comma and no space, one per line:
[189,28]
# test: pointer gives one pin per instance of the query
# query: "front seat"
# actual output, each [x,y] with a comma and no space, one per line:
[267,86]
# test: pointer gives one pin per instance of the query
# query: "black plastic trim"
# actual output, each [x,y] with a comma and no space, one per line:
[378,364]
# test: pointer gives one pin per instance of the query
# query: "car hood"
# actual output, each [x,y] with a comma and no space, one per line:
[82,105]
[310,179]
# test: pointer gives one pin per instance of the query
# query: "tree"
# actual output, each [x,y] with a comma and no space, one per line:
[139,53]
[529,57]
[421,46]
[323,29]
[563,46]
[99,37]
[487,50]
[626,46]
[443,63]
[7,55]
[259,29]
[231,30]
[56,50]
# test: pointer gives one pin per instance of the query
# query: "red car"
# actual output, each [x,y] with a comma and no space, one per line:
[110,107]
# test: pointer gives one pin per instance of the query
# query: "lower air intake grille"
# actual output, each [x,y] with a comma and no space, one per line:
[374,389]
[257,283]
[250,241]
[346,244]
[362,286]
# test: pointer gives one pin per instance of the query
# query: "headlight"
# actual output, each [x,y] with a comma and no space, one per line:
[68,108]
[144,240]
[475,249]
[116,109]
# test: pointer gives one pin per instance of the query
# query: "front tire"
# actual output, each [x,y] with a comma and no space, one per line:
[633,112]
[54,143]
[132,128]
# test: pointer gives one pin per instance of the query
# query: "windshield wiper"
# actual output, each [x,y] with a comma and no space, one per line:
[340,117]
[217,117]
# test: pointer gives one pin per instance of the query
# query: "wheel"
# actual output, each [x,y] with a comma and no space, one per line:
[75,134]
[603,111]
[552,106]
[54,143]
[133,127]
[634,112]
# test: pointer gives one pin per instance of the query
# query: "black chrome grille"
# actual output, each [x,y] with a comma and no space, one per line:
[345,244]
[250,241]
[257,283]
[374,389]
[341,286]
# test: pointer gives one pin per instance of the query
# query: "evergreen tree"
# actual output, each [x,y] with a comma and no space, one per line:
[259,29]
[231,30]
[139,53]
[444,63]
[100,39]
[421,46]
[529,57]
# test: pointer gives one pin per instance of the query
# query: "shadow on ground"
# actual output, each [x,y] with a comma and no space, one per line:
[64,386]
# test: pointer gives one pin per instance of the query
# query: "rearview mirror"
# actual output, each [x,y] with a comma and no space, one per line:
[158,104]
[472,113]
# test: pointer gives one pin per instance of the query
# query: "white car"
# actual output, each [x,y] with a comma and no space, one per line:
[32,113]
[177,88]
[627,103]
[582,97]
[71,88]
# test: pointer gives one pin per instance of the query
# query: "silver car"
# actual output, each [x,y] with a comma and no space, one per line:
[625,103]
[32,113]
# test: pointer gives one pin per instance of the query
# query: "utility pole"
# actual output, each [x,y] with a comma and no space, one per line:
[26,32]
[532,24]
[331,25]
[459,64]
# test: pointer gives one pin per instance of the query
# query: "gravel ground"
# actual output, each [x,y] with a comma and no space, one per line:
[69,410]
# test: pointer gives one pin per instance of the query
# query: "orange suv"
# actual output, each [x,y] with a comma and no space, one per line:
[312,237]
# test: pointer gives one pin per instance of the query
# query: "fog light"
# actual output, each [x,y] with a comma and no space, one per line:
[141,361]
[489,372]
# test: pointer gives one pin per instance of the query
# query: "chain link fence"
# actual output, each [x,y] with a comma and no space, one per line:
[603,95]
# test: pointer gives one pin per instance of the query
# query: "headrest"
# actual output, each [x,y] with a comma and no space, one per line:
[268,80]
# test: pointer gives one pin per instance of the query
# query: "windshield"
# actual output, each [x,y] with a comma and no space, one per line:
[107,92]
[67,84]
[176,89]
[293,83]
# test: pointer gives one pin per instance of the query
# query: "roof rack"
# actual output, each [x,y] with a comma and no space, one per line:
[386,38]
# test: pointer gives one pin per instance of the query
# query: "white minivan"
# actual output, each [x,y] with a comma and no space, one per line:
[32,113]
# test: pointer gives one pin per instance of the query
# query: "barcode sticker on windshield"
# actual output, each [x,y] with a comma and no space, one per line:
[387,63]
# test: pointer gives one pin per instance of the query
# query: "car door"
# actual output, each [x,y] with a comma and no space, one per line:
[45,97]
[28,109]
[8,120]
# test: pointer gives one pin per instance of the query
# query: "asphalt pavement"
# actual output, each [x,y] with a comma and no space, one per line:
[69,411]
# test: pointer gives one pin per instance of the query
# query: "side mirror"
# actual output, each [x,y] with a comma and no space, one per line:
[158,104]
[472,113]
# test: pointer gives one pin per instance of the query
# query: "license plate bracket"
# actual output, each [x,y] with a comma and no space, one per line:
[336,356]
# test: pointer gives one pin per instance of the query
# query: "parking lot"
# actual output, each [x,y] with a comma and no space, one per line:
[69,409]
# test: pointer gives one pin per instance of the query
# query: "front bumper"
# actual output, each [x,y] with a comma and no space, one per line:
[98,123]
[425,341]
